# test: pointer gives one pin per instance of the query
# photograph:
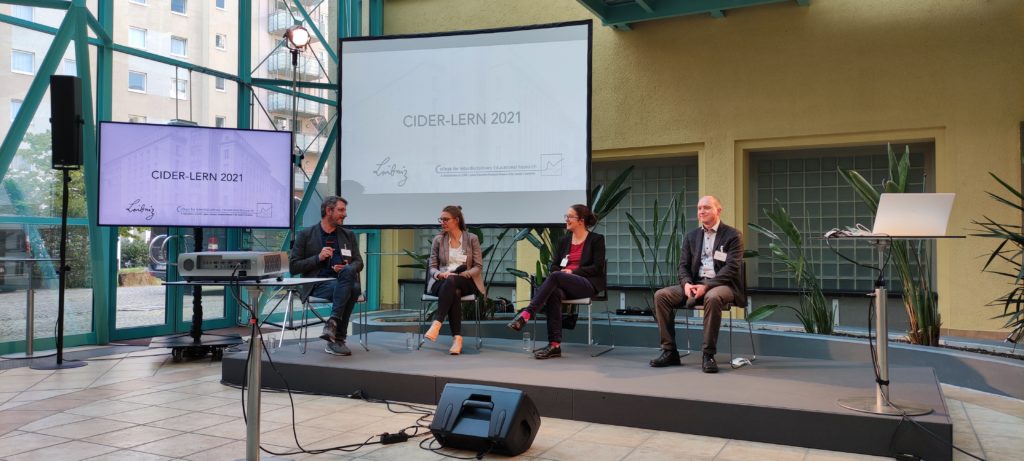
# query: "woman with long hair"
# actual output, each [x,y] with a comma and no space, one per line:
[577,271]
[455,271]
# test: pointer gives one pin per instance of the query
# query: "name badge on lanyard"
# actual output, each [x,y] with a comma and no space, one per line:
[565,261]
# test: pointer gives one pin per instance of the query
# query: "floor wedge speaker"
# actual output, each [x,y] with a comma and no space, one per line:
[485,419]
[66,121]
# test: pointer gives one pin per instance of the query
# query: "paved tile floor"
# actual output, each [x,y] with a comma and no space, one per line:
[145,407]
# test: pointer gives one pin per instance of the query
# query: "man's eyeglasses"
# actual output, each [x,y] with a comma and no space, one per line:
[443,220]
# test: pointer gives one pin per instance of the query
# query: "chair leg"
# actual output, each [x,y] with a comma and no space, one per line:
[364,333]
[686,332]
[287,323]
[304,332]
[479,339]
[611,335]
[422,331]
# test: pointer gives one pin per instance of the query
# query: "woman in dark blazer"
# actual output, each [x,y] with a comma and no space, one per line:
[456,268]
[577,271]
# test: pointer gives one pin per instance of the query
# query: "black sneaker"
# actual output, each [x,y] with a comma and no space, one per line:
[709,365]
[338,348]
[666,359]
[548,352]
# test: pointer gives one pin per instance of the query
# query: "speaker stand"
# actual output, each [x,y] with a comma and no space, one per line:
[60,363]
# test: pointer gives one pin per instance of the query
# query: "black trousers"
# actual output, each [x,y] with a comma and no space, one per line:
[448,292]
[556,287]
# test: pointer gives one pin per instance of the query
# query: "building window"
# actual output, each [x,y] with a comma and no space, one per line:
[221,41]
[179,6]
[22,12]
[220,4]
[15,107]
[180,88]
[139,2]
[281,123]
[136,119]
[137,37]
[23,62]
[219,83]
[137,81]
[220,121]
[70,67]
[179,46]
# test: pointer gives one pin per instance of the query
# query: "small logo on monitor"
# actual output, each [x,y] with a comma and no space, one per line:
[264,210]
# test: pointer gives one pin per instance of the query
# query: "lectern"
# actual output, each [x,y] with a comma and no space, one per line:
[900,217]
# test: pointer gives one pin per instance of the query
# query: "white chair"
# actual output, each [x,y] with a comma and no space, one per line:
[309,306]
[429,299]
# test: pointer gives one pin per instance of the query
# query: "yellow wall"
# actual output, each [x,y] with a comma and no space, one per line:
[839,72]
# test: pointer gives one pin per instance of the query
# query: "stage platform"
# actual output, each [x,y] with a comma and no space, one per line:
[778,400]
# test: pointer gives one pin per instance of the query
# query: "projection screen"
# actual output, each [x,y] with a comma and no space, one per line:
[497,121]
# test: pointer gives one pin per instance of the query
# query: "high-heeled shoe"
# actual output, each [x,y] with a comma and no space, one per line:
[433,331]
[518,322]
[456,345]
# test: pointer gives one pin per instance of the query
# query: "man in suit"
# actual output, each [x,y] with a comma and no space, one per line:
[709,274]
[327,250]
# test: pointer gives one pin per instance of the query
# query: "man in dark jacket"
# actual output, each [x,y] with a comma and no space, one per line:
[709,274]
[325,250]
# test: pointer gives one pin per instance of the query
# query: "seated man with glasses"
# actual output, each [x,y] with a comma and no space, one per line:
[327,250]
[577,271]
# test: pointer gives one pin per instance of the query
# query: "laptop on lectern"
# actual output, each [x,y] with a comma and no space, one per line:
[913,215]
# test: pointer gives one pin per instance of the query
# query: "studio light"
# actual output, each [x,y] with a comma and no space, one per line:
[297,37]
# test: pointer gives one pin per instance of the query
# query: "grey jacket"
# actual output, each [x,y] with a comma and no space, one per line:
[474,259]
[304,259]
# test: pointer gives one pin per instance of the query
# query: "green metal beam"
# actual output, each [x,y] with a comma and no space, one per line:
[625,14]
[376,18]
[301,95]
[104,272]
[313,181]
[98,29]
[40,83]
[172,62]
[49,4]
[316,31]
[277,81]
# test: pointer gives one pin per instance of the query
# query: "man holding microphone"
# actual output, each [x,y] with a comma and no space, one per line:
[326,250]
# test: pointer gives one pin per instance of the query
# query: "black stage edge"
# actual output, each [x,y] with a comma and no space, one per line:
[778,400]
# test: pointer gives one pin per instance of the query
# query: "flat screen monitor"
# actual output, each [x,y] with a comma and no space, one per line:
[497,121]
[188,176]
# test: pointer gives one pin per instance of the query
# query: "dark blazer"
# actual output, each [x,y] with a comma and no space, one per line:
[727,272]
[474,260]
[592,260]
[304,259]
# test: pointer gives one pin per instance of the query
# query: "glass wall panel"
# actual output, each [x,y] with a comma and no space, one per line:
[807,184]
[652,180]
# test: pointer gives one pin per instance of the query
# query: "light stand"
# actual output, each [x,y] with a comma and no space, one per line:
[296,39]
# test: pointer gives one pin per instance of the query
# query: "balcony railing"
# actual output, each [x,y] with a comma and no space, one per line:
[280,20]
[280,65]
[310,143]
[281,104]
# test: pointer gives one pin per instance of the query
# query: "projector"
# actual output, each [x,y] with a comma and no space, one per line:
[232,265]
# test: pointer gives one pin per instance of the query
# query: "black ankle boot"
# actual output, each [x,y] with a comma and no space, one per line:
[518,322]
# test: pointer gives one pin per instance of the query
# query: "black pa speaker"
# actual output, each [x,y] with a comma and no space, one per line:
[485,419]
[66,121]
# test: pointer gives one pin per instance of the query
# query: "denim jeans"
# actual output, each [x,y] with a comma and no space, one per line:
[343,291]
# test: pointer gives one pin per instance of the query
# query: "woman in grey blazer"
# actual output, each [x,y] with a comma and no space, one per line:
[456,268]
